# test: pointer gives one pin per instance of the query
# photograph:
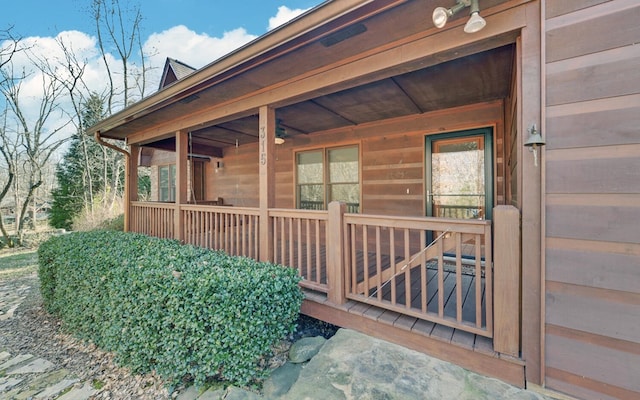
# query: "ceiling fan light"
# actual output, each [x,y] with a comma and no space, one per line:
[475,23]
[279,140]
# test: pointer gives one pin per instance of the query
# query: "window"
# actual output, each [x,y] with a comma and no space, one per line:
[167,184]
[328,175]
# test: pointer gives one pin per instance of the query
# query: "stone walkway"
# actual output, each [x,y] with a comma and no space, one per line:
[27,376]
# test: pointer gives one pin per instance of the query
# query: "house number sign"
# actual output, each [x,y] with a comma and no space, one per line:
[263,145]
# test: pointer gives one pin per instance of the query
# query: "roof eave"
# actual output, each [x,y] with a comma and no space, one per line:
[312,19]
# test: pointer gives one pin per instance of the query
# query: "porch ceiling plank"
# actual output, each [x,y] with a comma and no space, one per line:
[311,116]
[482,78]
[371,102]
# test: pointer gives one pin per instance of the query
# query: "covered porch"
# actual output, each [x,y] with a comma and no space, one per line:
[378,251]
[381,274]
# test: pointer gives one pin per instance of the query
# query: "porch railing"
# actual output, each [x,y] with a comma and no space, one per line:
[235,230]
[153,219]
[300,241]
[434,269]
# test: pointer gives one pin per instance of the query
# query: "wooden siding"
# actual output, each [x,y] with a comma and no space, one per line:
[592,313]
[392,160]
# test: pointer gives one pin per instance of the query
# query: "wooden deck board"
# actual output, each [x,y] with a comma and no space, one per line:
[405,322]
[463,338]
[388,317]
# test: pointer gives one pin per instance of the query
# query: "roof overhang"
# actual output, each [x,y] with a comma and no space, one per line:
[342,63]
[275,42]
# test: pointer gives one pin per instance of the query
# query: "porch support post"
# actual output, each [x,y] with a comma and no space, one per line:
[506,277]
[530,100]
[335,252]
[182,144]
[130,183]
[266,160]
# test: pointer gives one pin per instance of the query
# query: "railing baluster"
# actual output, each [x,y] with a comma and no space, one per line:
[354,264]
[318,255]
[308,249]
[458,277]
[392,256]
[407,271]
[365,259]
[423,273]
[478,280]
[378,264]
[291,255]
[440,278]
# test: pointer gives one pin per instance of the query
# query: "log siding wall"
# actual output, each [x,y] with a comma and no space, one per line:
[391,160]
[592,324]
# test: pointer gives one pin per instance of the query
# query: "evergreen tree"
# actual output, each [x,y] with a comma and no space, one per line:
[78,179]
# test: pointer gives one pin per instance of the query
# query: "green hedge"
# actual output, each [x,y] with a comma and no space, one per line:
[158,305]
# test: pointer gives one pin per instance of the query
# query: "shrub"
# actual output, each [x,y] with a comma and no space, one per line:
[158,305]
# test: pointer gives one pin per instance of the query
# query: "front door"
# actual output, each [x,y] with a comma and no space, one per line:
[459,175]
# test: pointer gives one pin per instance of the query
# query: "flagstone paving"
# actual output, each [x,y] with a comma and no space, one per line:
[25,376]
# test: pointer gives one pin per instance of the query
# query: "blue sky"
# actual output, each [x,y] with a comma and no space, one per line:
[213,17]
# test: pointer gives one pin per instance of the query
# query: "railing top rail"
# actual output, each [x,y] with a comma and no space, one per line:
[153,204]
[221,209]
[321,215]
[426,223]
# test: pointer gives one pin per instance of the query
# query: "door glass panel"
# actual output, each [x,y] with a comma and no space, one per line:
[310,180]
[458,178]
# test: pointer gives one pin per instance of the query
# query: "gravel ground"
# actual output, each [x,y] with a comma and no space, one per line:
[32,330]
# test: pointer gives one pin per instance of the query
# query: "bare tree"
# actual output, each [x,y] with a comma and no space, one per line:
[119,28]
[8,147]
[34,140]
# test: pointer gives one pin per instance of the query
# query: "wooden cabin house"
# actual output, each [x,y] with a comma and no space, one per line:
[474,196]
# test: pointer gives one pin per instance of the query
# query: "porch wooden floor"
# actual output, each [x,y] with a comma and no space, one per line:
[410,324]
[468,281]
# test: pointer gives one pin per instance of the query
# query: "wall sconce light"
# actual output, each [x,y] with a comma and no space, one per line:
[475,23]
[219,165]
[281,132]
[535,140]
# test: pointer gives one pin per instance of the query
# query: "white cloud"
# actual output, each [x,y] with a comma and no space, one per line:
[196,50]
[285,14]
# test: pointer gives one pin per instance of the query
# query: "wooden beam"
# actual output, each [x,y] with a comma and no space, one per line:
[182,146]
[506,268]
[267,176]
[130,183]
[335,256]
[530,98]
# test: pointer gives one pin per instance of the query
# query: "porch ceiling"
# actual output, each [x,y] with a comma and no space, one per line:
[481,77]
